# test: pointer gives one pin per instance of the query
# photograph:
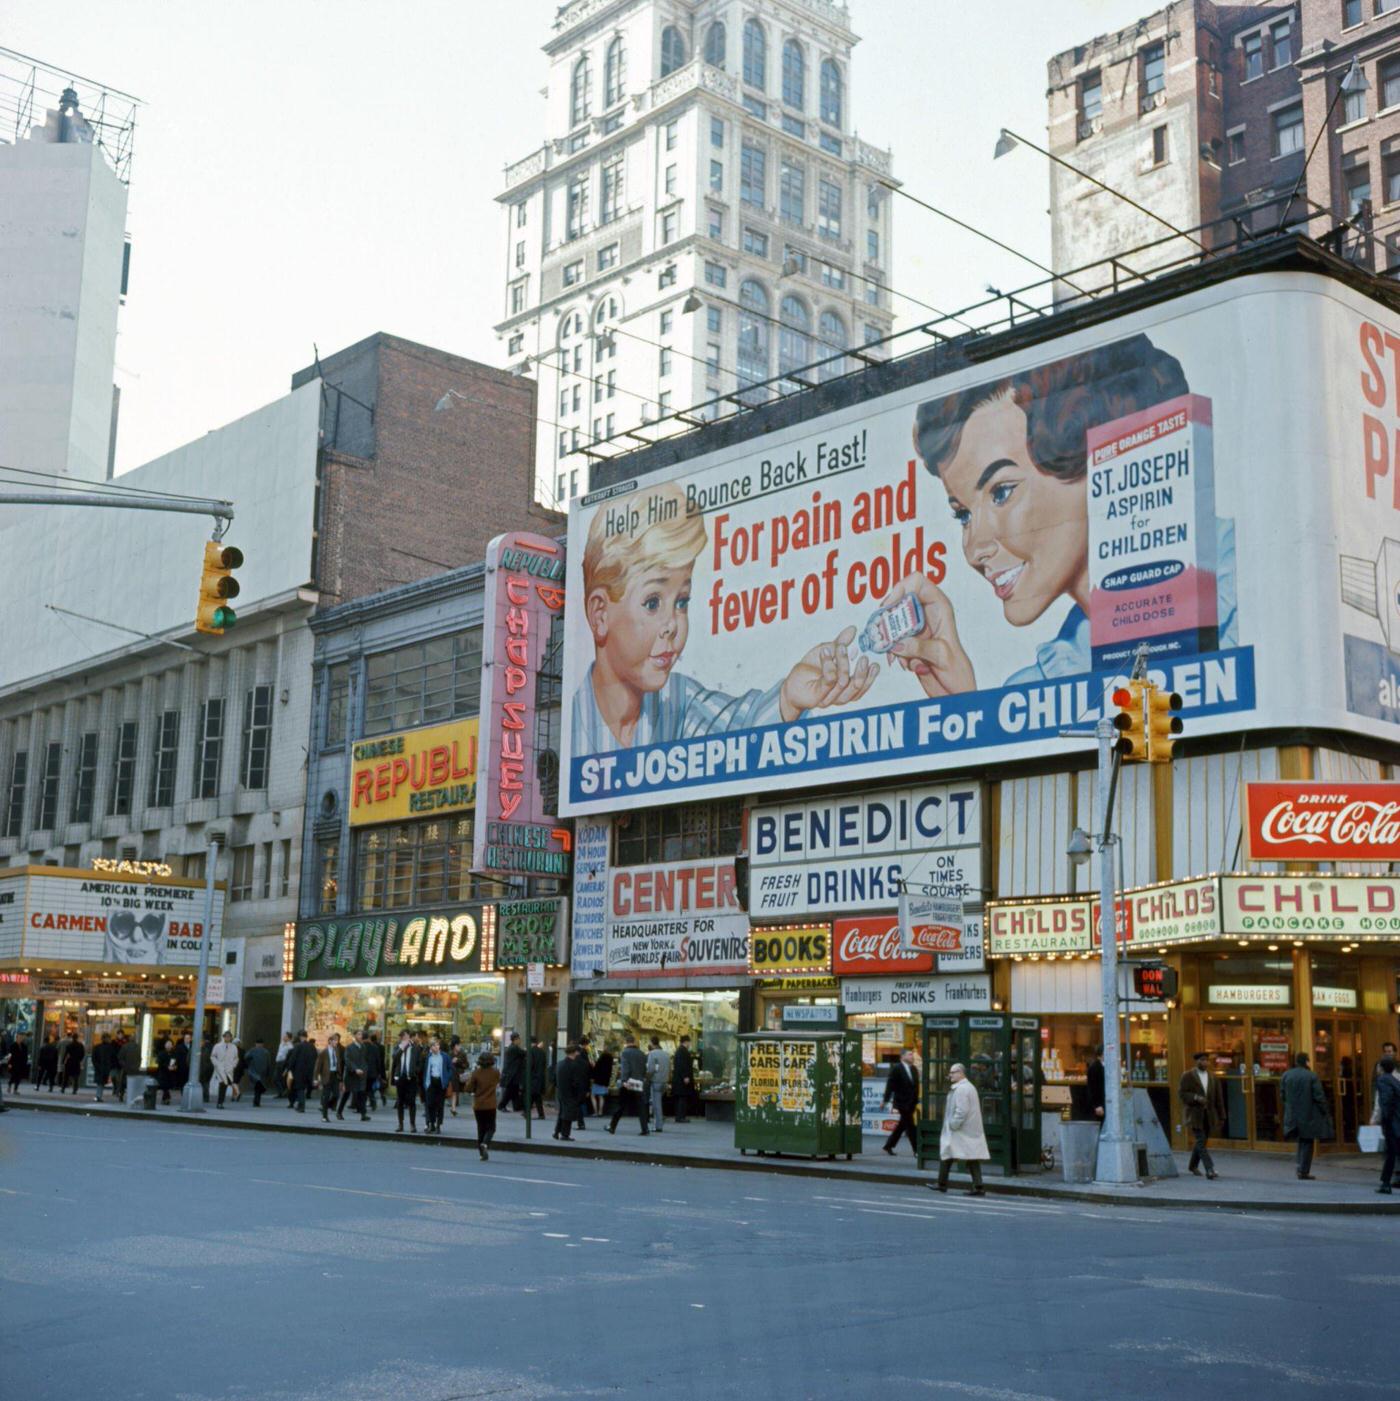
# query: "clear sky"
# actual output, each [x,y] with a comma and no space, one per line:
[312,171]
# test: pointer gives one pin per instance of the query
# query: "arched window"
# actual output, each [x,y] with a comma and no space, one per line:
[794,337]
[755,54]
[578,92]
[794,75]
[614,72]
[672,50]
[569,327]
[753,334]
[831,329]
[716,42]
[831,92]
[607,310]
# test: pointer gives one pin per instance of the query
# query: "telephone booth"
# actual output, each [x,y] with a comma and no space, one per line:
[1001,1055]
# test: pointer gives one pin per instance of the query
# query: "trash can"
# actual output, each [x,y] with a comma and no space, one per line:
[136,1087]
[1079,1149]
[148,1095]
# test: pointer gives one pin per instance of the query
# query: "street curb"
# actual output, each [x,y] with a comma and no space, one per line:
[767,1164]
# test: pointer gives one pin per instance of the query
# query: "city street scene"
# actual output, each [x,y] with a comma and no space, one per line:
[699,697]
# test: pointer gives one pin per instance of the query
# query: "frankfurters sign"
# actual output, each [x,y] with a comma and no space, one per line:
[417,773]
[1323,821]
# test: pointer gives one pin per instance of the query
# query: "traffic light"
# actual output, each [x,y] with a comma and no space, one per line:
[1163,723]
[1130,722]
[216,587]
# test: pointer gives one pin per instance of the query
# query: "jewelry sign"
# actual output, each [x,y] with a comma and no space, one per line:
[515,835]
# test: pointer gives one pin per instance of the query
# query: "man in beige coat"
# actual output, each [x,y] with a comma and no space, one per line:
[962,1135]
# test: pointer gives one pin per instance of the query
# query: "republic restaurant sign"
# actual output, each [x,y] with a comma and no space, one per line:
[414,774]
[515,835]
[1323,821]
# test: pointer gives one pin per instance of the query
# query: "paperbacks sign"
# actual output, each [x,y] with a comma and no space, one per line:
[1323,821]
[819,604]
[515,835]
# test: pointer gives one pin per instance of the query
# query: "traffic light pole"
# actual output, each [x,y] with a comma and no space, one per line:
[1117,1160]
[192,1096]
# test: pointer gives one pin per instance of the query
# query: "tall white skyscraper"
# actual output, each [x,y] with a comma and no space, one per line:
[701,218]
[62,250]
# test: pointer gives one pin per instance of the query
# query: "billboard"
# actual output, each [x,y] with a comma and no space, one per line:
[532,931]
[515,835]
[675,919]
[952,572]
[410,943]
[48,912]
[1322,821]
[417,773]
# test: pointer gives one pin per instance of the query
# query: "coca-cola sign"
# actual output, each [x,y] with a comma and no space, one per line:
[871,945]
[1323,821]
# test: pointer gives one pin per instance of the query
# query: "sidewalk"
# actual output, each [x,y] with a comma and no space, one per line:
[1346,1182]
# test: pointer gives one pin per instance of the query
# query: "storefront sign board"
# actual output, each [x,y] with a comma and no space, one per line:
[54,913]
[905,996]
[590,914]
[680,918]
[532,931]
[1350,906]
[515,834]
[1062,924]
[1177,913]
[930,923]
[406,943]
[112,989]
[214,989]
[778,950]
[1346,821]
[849,854]
[973,957]
[262,961]
[1334,997]
[871,945]
[416,773]
[1249,995]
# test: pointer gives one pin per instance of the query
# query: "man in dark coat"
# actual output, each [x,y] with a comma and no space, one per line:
[1305,1115]
[46,1064]
[104,1058]
[631,1085]
[1388,1117]
[259,1070]
[902,1088]
[183,1049]
[571,1085]
[330,1074]
[683,1079]
[408,1075]
[585,1059]
[356,1081]
[1098,1096]
[1203,1108]
[374,1049]
[513,1074]
[539,1069]
[301,1066]
[71,1071]
[128,1063]
[19,1062]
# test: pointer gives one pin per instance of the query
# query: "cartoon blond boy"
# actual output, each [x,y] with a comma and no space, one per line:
[636,587]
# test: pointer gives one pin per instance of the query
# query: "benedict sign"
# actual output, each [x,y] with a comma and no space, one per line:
[414,774]
[1323,821]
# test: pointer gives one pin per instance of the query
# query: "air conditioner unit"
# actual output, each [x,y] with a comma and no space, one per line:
[1154,99]
[1091,127]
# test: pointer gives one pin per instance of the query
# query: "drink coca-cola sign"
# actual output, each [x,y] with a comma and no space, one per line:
[872,945]
[1323,821]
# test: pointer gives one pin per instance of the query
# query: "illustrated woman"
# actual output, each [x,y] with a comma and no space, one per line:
[1012,457]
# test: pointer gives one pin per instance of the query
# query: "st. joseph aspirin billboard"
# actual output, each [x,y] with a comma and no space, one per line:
[929,579]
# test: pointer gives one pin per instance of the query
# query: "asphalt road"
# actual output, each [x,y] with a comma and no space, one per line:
[159,1261]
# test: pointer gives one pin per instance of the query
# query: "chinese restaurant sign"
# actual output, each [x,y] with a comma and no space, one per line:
[408,943]
[414,774]
[532,931]
[515,835]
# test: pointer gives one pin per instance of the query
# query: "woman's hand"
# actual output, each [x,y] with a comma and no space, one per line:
[936,654]
[825,677]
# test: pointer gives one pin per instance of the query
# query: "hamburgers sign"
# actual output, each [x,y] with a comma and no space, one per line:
[1323,821]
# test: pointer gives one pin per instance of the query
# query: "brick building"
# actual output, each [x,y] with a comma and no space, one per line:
[1205,113]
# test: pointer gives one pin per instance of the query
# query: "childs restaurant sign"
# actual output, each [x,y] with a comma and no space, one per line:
[405,944]
[414,774]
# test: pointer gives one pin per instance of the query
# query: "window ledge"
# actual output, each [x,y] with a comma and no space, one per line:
[1287,155]
[1352,126]
[1281,67]
[1245,82]
[1391,110]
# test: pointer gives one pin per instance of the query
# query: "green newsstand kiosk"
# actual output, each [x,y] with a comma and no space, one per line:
[1001,1054]
[798,1092]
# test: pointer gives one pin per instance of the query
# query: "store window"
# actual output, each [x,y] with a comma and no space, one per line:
[1336,984]
[423,684]
[472,1009]
[1247,980]
[328,866]
[414,863]
[709,1018]
[678,834]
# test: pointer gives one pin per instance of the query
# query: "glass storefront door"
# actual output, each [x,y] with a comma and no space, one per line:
[1249,1054]
[1339,1058]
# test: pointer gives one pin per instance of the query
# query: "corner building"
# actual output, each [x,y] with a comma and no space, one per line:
[1199,466]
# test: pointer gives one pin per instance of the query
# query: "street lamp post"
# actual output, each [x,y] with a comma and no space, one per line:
[191,1097]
